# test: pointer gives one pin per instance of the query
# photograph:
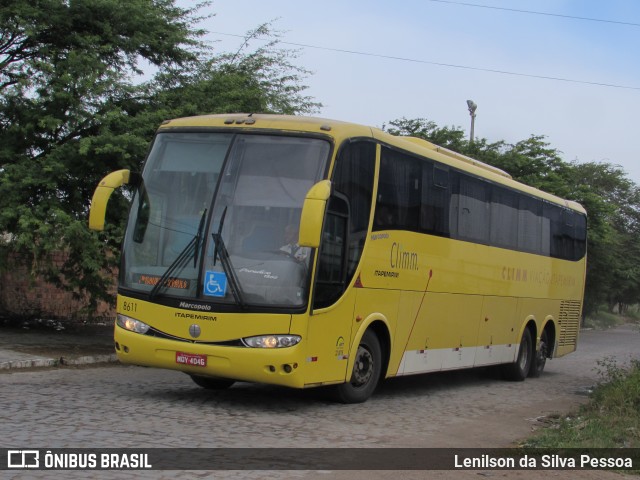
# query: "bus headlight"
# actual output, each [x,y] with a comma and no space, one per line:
[271,341]
[132,324]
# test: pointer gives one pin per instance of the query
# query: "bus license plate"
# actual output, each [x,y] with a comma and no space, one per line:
[192,359]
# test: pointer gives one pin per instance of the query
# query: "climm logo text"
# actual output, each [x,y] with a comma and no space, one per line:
[403,259]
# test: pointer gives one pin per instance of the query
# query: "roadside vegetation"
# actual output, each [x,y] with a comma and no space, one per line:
[611,417]
[603,318]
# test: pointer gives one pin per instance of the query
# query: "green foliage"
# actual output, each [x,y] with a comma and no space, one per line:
[632,313]
[611,418]
[65,70]
[70,112]
[602,320]
[452,138]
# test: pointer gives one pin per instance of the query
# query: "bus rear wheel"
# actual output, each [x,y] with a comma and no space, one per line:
[540,358]
[366,371]
[519,370]
[212,383]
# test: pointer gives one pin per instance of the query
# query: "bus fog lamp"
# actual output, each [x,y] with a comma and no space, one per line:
[132,324]
[271,341]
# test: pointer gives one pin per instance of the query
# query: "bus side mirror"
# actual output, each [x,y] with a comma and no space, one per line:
[101,196]
[313,209]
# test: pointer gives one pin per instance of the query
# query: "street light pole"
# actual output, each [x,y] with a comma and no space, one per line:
[472,111]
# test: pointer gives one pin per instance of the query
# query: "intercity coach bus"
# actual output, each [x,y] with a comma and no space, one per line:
[307,252]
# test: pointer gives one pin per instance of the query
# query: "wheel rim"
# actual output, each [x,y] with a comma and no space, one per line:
[363,367]
[542,354]
[524,355]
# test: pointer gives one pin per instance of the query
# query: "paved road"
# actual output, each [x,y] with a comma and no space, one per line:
[120,406]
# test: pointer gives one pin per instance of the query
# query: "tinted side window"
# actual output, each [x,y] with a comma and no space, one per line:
[399,192]
[504,218]
[436,198]
[553,216]
[422,195]
[530,225]
[565,232]
[580,237]
[473,210]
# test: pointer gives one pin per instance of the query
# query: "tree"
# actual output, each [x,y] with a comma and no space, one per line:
[63,67]
[613,203]
[452,138]
[71,112]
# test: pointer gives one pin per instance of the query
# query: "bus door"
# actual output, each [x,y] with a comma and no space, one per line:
[345,230]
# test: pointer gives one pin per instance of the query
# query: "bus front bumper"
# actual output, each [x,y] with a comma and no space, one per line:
[281,366]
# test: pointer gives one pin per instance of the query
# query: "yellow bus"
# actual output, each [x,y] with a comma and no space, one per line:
[307,252]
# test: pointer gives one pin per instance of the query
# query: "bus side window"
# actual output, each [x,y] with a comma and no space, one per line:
[558,240]
[399,192]
[503,230]
[530,225]
[473,210]
[580,239]
[436,193]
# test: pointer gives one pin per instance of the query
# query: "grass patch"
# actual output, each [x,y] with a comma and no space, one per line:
[611,418]
[602,320]
[634,314]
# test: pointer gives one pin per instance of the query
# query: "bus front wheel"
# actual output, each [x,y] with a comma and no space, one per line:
[519,370]
[366,371]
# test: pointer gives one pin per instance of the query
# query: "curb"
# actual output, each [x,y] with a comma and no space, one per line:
[57,362]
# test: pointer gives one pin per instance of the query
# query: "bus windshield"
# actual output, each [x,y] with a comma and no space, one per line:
[216,218]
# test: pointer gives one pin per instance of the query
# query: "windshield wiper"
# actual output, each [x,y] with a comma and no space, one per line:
[220,251]
[191,250]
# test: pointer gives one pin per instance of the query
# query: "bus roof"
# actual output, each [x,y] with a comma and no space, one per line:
[340,130]
[271,121]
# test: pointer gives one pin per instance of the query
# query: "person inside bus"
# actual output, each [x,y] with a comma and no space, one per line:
[291,246]
[383,217]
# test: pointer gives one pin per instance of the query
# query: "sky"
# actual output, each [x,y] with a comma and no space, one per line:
[448,48]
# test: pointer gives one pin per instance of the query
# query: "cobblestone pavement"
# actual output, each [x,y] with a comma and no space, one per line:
[121,406]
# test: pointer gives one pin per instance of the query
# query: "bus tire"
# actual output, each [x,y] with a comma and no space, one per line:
[540,358]
[519,370]
[212,383]
[365,376]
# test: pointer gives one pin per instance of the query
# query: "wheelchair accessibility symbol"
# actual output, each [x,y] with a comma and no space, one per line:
[215,284]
